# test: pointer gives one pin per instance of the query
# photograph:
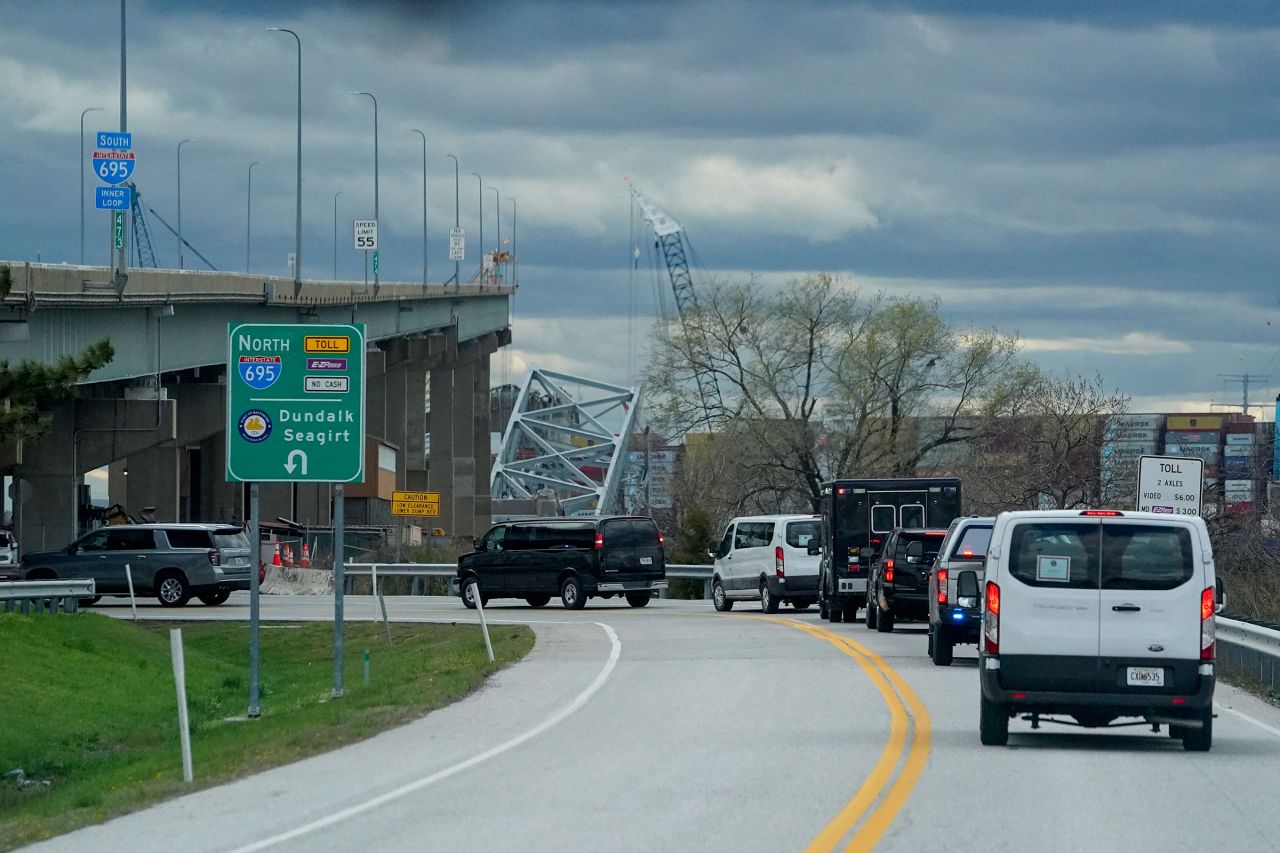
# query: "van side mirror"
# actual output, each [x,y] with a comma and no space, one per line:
[814,548]
[967,588]
[711,552]
[1219,596]
[915,552]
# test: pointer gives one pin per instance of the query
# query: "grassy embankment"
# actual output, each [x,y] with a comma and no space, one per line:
[88,703]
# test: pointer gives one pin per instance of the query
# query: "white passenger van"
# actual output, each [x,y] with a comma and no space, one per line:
[1098,615]
[766,558]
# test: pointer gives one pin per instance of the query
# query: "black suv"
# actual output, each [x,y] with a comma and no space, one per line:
[898,587]
[170,561]
[575,558]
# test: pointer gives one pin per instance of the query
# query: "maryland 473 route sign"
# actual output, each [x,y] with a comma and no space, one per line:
[295,403]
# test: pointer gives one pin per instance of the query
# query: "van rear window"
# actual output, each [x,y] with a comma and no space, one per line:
[972,544]
[1106,556]
[1061,555]
[230,538]
[1140,556]
[645,533]
[800,532]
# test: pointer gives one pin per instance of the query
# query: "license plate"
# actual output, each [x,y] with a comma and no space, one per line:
[1145,676]
[646,561]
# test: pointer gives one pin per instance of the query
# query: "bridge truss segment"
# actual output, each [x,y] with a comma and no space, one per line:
[573,442]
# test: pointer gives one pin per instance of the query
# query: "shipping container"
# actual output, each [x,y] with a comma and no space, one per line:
[1194,422]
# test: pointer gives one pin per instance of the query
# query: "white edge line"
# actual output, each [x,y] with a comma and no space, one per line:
[396,793]
[1242,715]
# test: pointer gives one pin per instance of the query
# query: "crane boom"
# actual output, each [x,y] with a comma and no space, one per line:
[670,242]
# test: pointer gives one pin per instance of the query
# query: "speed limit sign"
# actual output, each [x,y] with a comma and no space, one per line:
[366,234]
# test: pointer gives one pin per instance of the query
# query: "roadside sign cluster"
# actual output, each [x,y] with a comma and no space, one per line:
[113,162]
[1170,485]
[295,408]
[423,504]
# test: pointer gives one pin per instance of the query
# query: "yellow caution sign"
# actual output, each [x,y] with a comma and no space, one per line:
[326,343]
[421,504]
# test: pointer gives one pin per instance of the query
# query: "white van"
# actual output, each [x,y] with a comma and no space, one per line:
[1097,615]
[766,558]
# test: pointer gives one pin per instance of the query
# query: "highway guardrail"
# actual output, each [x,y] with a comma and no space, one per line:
[45,596]
[677,571]
[1250,652]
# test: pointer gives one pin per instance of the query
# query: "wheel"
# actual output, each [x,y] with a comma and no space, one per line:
[835,611]
[638,599]
[801,606]
[884,619]
[571,594]
[929,650]
[822,607]
[1175,732]
[213,599]
[872,615]
[538,600]
[89,602]
[172,590]
[768,602]
[1201,739]
[41,575]
[851,613]
[719,599]
[941,649]
[469,586]
[993,724]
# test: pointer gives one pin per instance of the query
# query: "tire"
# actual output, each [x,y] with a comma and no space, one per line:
[768,601]
[213,599]
[41,575]
[884,620]
[801,606]
[822,607]
[929,650]
[638,599]
[942,650]
[993,724]
[873,614]
[835,610]
[719,599]
[539,600]
[571,594]
[851,613]
[469,586]
[89,602]
[172,589]
[1175,732]
[1201,739]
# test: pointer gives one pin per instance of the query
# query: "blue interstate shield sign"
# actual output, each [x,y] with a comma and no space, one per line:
[259,371]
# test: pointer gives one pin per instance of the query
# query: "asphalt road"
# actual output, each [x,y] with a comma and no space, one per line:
[680,728]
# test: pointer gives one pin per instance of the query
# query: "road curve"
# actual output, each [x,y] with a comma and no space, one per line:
[678,727]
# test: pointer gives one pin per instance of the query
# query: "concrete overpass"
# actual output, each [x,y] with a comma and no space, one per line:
[155,414]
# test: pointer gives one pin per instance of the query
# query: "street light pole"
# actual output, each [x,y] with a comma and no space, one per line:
[335,234]
[82,112]
[180,259]
[377,257]
[297,226]
[457,265]
[248,219]
[513,240]
[481,180]
[497,220]
[424,205]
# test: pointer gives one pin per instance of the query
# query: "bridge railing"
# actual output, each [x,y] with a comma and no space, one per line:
[45,596]
[1249,653]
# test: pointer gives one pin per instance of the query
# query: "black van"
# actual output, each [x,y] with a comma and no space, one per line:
[575,558]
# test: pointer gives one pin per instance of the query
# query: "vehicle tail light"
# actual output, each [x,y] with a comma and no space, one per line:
[1103,513]
[942,586]
[662,540]
[888,571]
[779,562]
[1207,624]
[599,540]
[991,621]
[968,552]
[215,558]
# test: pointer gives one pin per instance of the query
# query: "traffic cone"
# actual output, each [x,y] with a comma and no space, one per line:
[306,556]
[275,559]
[288,556]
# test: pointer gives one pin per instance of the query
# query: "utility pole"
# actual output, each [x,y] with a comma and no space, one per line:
[1244,379]
[120,247]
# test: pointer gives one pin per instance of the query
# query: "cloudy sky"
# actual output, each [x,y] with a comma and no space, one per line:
[1102,178]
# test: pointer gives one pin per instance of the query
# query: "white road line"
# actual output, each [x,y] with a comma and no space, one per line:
[580,700]
[1266,728]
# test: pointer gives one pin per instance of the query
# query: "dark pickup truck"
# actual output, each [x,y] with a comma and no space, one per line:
[575,558]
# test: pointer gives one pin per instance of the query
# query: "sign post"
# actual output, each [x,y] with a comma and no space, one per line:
[1170,485]
[295,414]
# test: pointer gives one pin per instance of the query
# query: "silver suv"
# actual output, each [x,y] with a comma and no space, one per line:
[170,561]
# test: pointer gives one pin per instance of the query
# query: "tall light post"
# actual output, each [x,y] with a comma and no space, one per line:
[377,258]
[497,220]
[297,226]
[457,265]
[513,240]
[424,205]
[82,113]
[180,258]
[248,218]
[481,194]
[335,234]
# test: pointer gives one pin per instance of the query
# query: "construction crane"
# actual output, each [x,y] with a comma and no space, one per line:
[144,254]
[671,243]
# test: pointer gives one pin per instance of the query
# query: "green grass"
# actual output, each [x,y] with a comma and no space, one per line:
[88,703]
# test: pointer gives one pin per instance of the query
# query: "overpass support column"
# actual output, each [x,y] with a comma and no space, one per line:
[154,480]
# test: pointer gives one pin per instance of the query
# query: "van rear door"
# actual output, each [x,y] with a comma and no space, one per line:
[618,554]
[650,558]
[1150,593]
[1049,595]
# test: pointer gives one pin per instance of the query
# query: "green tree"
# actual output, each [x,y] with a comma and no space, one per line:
[29,388]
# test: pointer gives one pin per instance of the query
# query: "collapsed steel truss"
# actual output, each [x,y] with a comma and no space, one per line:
[574,444]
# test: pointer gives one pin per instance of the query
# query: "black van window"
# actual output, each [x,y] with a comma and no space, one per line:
[726,544]
[800,532]
[645,533]
[753,534]
[911,515]
[617,533]
[131,540]
[1059,555]
[565,536]
[519,538]
[883,518]
[186,537]
[1136,556]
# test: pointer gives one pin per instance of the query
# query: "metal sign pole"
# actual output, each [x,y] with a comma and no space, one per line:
[255,557]
[339,581]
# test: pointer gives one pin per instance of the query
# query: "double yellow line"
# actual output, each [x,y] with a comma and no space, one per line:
[881,796]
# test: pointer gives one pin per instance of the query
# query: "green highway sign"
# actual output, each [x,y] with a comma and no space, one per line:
[295,404]
[118,229]
[375,262]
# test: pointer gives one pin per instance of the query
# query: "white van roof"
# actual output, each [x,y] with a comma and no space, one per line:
[808,517]
[1103,514]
